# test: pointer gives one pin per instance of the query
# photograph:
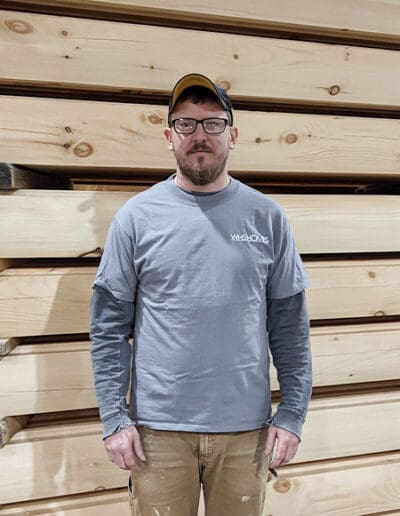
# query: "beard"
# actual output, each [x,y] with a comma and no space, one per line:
[197,168]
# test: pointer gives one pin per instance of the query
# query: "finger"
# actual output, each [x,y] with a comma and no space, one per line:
[280,453]
[137,446]
[271,436]
[120,450]
[290,453]
[117,458]
[129,461]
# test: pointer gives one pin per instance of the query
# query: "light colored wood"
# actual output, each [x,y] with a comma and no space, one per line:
[41,377]
[353,289]
[342,487]
[108,503]
[347,426]
[41,219]
[33,133]
[45,301]
[372,20]
[13,178]
[62,460]
[9,426]
[70,458]
[353,354]
[98,54]
[47,378]
[53,301]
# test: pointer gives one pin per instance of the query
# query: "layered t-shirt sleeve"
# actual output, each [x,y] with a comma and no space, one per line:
[112,310]
[116,271]
[288,327]
[287,275]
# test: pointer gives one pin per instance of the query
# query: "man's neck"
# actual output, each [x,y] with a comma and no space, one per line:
[183,182]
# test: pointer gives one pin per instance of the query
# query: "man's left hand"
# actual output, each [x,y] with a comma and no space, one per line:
[285,444]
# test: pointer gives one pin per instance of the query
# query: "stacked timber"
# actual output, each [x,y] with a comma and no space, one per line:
[83,94]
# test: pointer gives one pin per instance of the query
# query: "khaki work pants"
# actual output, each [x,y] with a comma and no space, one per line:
[231,467]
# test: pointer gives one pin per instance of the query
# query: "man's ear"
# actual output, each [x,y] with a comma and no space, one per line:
[233,137]
[168,137]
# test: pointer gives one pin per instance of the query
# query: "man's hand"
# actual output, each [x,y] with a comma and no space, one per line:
[285,444]
[124,446]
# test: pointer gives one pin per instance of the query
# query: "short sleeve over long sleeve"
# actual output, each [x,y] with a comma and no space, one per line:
[287,275]
[116,271]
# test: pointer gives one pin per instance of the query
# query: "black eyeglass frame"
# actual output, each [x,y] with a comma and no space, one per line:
[197,122]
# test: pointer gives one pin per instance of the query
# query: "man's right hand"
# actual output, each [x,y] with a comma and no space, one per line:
[124,447]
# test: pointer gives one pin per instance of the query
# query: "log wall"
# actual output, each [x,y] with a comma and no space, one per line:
[83,93]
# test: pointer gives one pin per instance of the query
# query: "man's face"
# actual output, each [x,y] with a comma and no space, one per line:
[201,157]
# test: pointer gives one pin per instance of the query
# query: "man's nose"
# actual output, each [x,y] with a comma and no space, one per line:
[199,131]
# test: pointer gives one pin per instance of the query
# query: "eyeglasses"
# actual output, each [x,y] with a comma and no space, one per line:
[189,125]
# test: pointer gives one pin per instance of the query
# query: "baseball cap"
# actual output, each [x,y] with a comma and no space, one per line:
[197,79]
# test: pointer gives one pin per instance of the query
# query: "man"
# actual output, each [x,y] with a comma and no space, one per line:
[205,272]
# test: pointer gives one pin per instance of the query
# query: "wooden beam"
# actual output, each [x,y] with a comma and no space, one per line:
[73,459]
[100,55]
[358,288]
[374,21]
[361,485]
[45,301]
[71,133]
[366,482]
[42,218]
[55,301]
[343,355]
[13,178]
[55,377]
[104,503]
[9,426]
[47,378]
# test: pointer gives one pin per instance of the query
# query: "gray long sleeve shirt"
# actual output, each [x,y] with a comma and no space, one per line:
[206,283]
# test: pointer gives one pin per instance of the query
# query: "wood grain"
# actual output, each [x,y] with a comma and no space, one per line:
[54,301]
[362,485]
[55,377]
[111,56]
[41,219]
[372,20]
[77,135]
[107,503]
[70,458]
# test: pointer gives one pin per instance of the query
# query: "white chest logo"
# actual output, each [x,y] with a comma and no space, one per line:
[257,239]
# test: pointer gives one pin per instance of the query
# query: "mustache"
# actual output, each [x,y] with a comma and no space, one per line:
[199,147]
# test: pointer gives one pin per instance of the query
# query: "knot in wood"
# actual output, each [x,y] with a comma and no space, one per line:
[67,129]
[291,138]
[226,85]
[154,118]
[334,90]
[64,33]
[282,485]
[258,139]
[83,150]
[19,26]
[235,56]
[371,274]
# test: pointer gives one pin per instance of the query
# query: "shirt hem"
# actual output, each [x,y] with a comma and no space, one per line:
[155,425]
